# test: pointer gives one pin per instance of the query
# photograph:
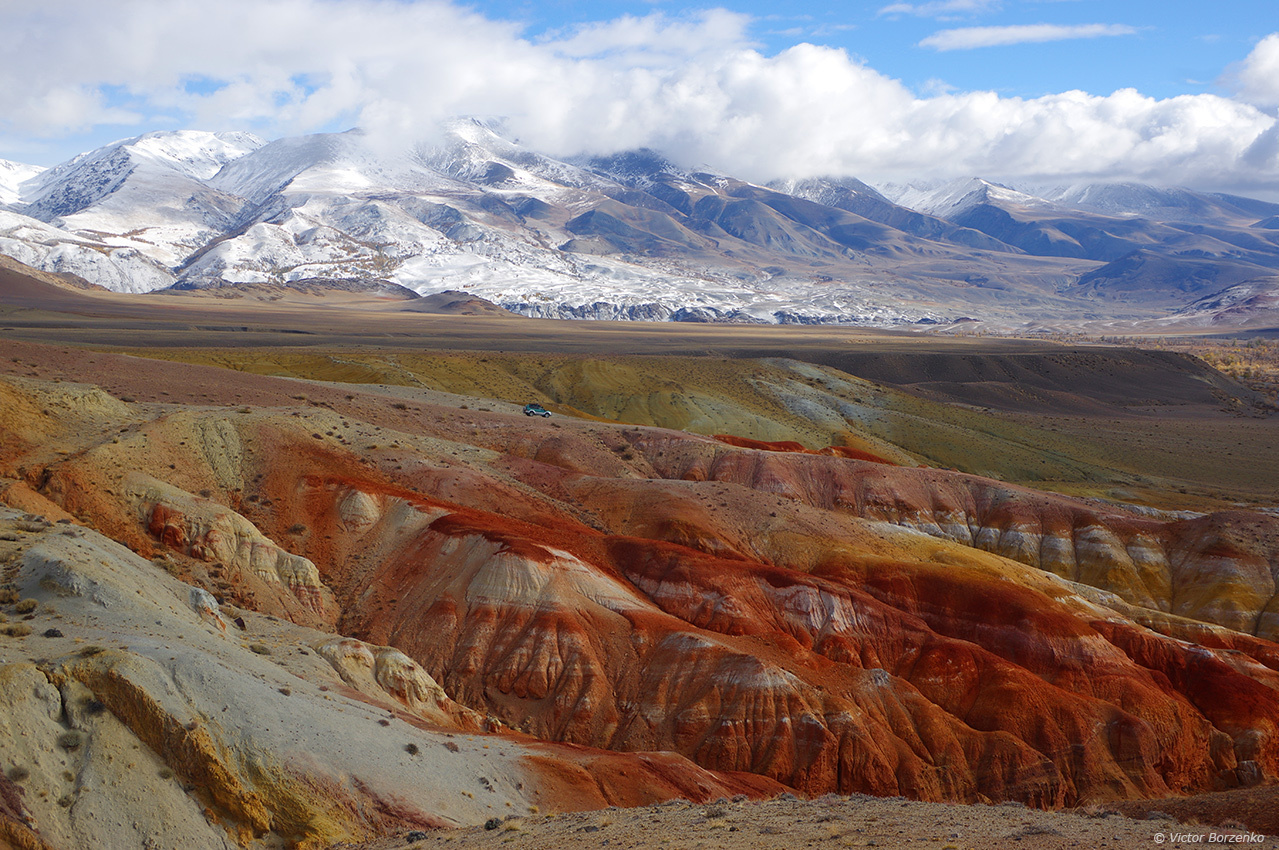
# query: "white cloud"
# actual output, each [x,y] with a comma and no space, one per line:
[940,8]
[1257,77]
[656,38]
[968,38]
[694,87]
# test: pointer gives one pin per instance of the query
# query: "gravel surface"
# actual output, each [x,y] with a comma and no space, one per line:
[831,821]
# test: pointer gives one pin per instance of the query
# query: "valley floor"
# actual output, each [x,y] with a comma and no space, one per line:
[830,822]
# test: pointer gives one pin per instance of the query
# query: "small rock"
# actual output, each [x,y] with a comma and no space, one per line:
[492,823]
[52,633]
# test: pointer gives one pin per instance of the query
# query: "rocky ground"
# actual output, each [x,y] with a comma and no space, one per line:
[834,822]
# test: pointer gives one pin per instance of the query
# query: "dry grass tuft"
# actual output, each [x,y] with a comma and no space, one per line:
[71,740]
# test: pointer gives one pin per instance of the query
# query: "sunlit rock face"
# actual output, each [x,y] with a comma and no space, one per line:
[1216,568]
[213,533]
[925,669]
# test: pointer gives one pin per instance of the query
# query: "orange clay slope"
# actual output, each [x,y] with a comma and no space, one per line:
[829,623]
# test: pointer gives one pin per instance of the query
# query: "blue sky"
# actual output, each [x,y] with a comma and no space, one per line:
[1014,90]
[1175,47]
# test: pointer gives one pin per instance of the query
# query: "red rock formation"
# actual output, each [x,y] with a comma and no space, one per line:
[578,779]
[892,679]
[15,821]
[1218,568]
[827,623]
[847,452]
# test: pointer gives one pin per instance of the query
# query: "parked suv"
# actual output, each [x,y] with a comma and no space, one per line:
[536,410]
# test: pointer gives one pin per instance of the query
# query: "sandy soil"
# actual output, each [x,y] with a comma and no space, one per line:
[836,822]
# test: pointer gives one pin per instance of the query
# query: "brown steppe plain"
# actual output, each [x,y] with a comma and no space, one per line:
[425,404]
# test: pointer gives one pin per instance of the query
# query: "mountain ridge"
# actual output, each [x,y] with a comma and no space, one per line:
[630,235]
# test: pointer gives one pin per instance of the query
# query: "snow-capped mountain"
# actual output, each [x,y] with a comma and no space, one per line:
[1160,247]
[50,249]
[627,235]
[130,165]
[123,216]
[12,175]
[619,237]
[952,199]
[1158,203]
[855,196]
[150,193]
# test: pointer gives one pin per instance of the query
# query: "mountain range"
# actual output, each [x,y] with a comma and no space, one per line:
[633,236]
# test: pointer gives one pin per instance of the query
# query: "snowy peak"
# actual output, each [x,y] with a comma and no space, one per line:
[12,176]
[828,190]
[89,178]
[195,154]
[1119,200]
[852,195]
[342,162]
[639,168]
[476,152]
[948,200]
[71,187]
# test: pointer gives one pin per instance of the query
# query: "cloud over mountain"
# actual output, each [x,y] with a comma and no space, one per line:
[1258,75]
[694,86]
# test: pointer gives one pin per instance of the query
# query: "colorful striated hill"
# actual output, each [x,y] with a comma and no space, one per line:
[320,611]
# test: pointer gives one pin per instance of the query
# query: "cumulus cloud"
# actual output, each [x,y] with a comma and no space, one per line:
[695,87]
[969,38]
[1257,77]
[285,63]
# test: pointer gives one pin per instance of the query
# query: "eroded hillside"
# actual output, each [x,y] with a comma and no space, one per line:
[1159,429]
[838,621]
